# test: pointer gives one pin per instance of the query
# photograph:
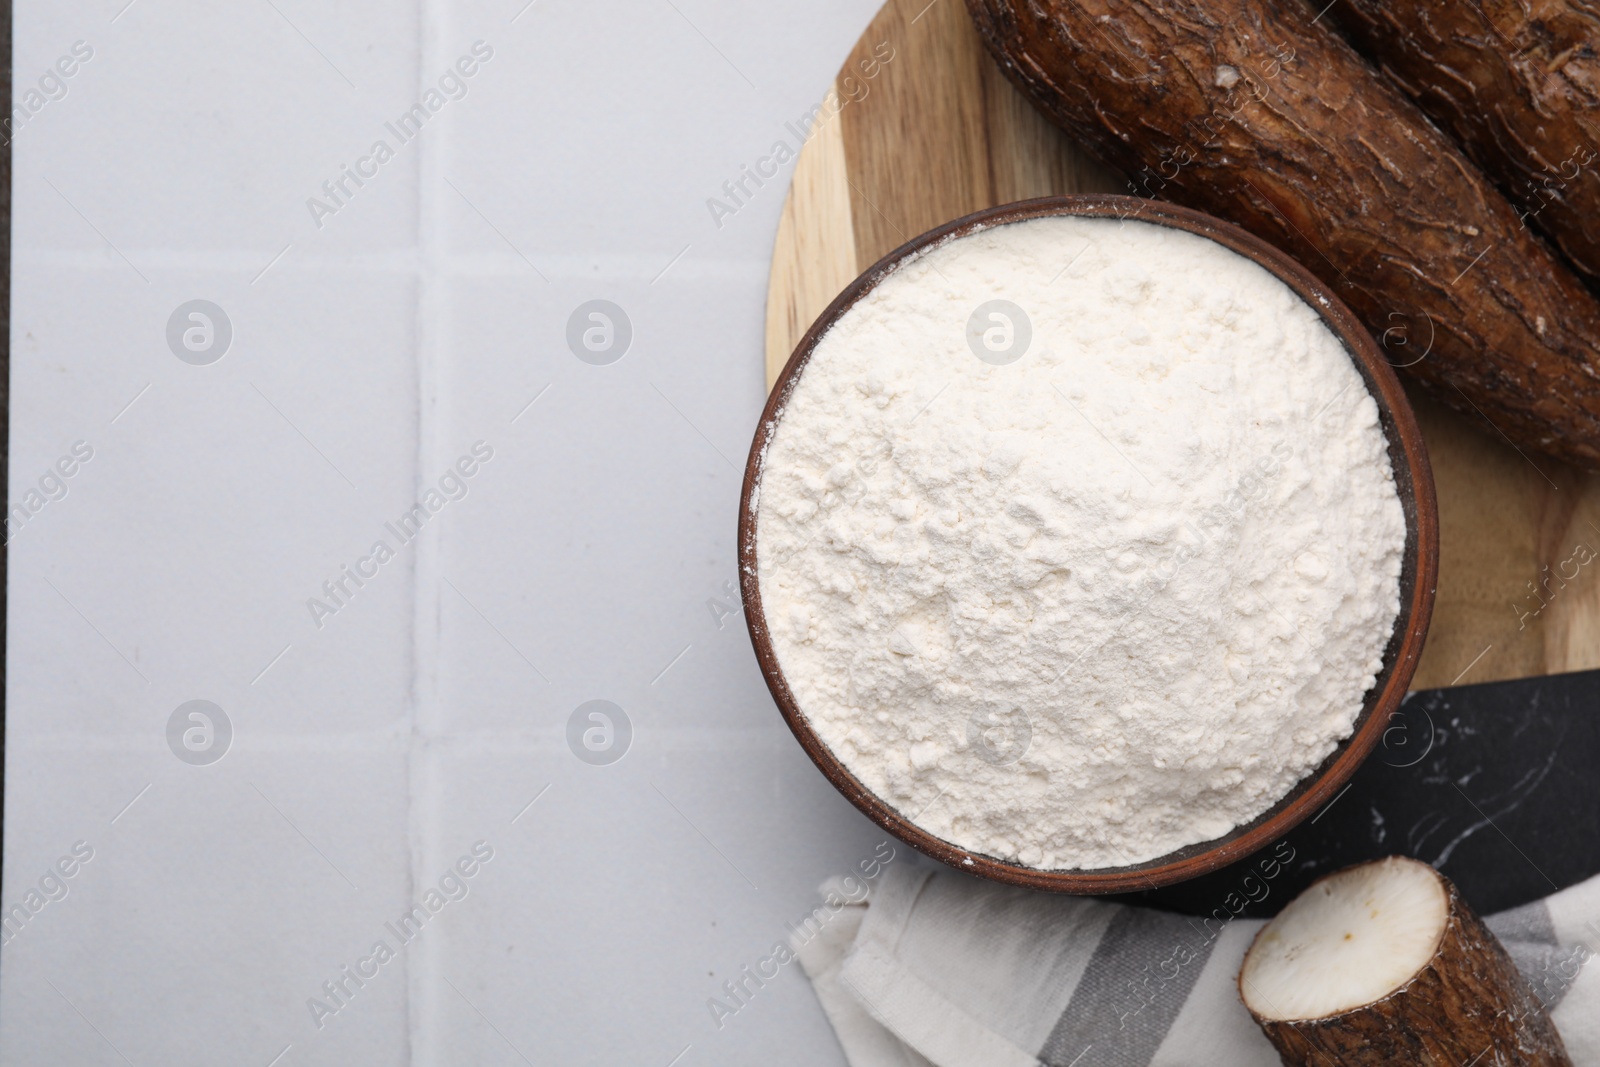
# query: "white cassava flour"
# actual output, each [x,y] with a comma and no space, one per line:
[1113,597]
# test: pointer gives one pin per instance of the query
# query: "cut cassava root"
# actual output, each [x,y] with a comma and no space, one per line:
[1349,940]
[1518,85]
[1384,963]
[1251,110]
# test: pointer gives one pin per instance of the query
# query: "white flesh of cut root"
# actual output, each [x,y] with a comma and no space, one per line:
[1349,940]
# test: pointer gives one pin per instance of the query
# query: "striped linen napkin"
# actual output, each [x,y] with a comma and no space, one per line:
[935,967]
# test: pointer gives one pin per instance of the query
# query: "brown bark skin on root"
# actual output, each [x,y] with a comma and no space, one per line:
[1468,1005]
[1252,112]
[1517,86]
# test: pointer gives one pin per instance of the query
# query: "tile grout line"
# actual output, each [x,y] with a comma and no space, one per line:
[424,1004]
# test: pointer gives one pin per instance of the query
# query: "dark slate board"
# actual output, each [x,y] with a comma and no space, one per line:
[1497,786]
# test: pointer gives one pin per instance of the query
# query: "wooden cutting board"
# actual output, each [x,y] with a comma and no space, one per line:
[921,127]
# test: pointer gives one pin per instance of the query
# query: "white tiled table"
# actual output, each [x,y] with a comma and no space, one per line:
[367,354]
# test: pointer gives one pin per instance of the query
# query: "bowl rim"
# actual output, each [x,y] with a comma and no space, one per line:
[1418,578]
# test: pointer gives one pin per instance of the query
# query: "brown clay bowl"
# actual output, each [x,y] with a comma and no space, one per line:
[1419,569]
